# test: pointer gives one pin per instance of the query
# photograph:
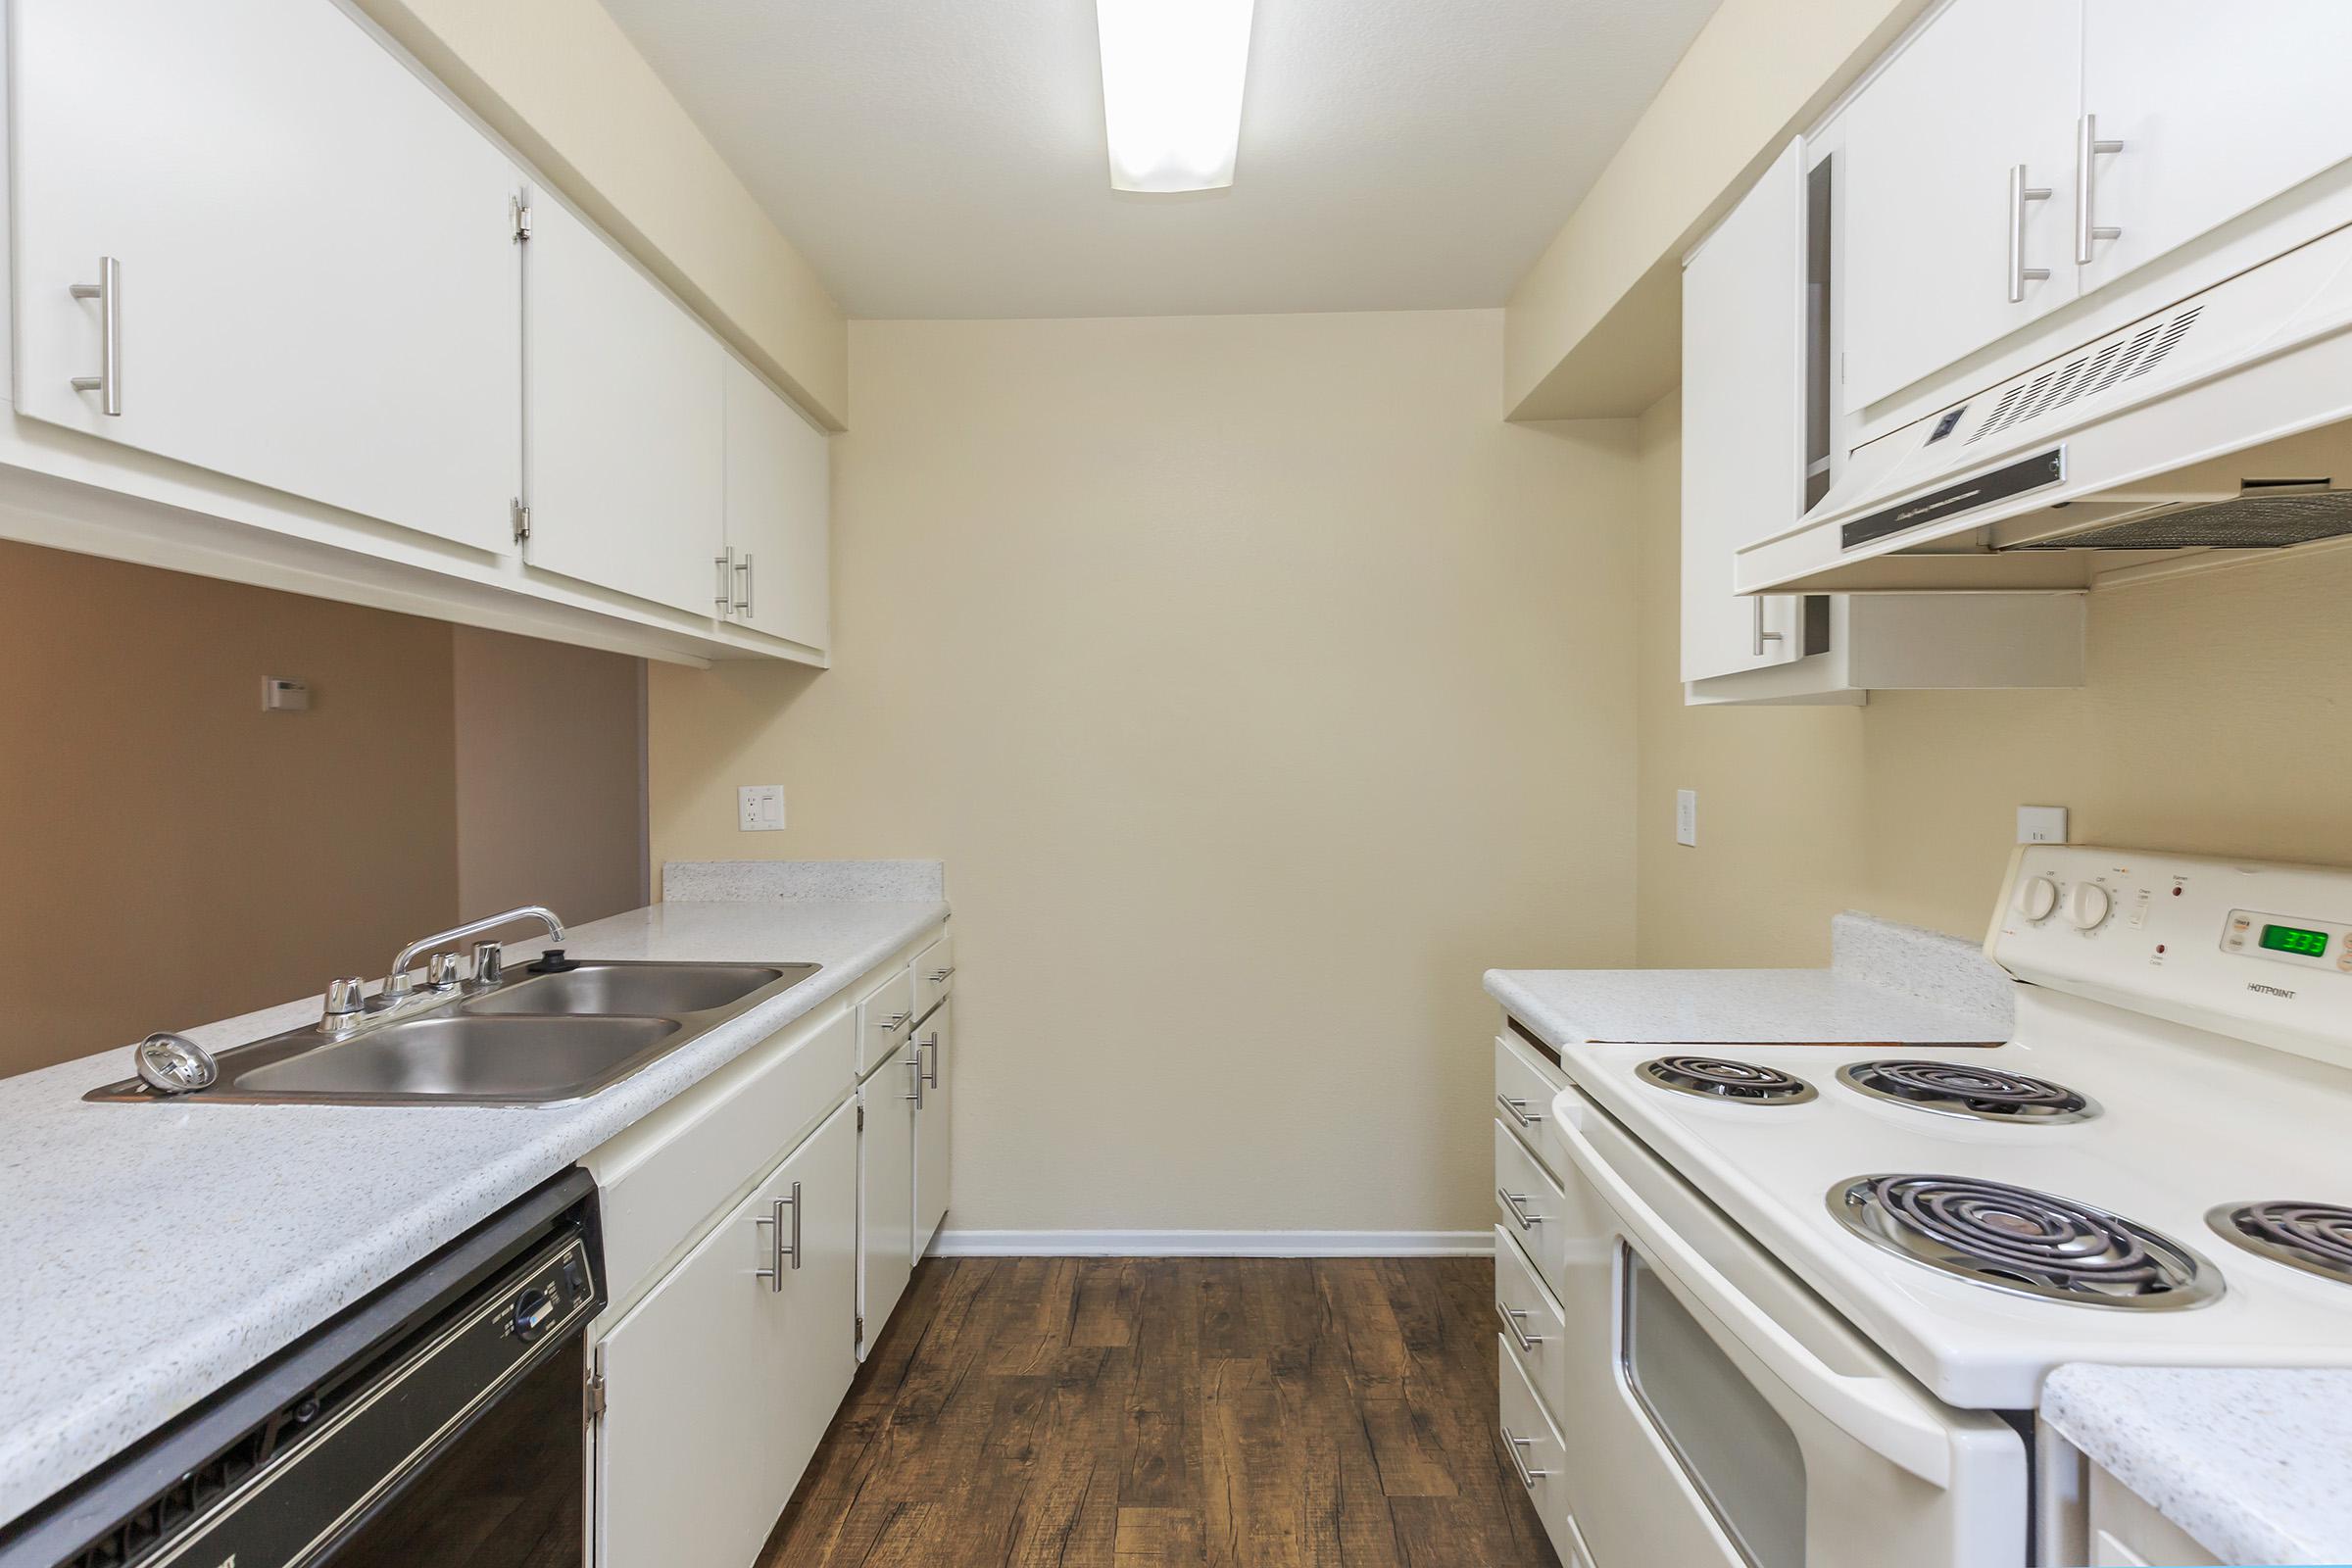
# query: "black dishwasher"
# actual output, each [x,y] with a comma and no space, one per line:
[442,1420]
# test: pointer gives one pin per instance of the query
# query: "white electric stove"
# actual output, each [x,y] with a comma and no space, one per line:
[1871,1256]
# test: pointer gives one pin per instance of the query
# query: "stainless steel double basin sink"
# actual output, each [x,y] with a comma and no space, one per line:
[536,1038]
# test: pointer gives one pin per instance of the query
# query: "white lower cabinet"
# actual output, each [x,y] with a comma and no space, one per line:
[720,1382]
[885,1191]
[935,1053]
[759,1230]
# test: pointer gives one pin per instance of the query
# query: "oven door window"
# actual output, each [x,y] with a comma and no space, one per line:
[1732,1445]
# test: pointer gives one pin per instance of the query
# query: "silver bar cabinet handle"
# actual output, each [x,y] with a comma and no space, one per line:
[1518,1111]
[107,292]
[1513,1202]
[941,976]
[2020,193]
[774,1220]
[1510,1320]
[725,560]
[932,1077]
[914,1064]
[1527,1477]
[743,584]
[2087,148]
[1762,636]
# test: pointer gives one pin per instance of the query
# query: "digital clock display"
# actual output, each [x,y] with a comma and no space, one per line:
[2294,939]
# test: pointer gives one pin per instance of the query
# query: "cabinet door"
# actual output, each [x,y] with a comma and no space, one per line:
[1744,370]
[886,1190]
[625,423]
[720,1384]
[2219,108]
[935,1053]
[779,513]
[1987,86]
[314,253]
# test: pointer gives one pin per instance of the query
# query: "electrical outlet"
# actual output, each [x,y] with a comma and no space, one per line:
[1685,817]
[760,808]
[2041,824]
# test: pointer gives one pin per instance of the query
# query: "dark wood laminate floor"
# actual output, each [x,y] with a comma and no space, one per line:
[1125,1412]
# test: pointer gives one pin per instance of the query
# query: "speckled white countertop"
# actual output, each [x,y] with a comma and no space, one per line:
[153,1252]
[1886,982]
[2256,1463]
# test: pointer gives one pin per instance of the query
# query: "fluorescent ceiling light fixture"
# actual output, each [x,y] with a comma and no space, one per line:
[1172,72]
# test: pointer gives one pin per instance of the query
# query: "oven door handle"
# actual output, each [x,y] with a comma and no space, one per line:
[1873,1412]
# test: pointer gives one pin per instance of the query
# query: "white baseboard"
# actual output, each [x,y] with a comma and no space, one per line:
[1213,1243]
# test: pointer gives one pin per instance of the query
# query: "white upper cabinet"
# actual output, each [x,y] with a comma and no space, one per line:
[2218,108]
[311,266]
[626,424]
[778,510]
[1945,234]
[1743,388]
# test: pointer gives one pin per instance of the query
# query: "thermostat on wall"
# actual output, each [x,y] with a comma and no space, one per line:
[282,696]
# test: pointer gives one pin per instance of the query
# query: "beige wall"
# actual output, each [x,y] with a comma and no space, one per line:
[559,80]
[175,854]
[1259,687]
[550,772]
[1595,327]
[2217,719]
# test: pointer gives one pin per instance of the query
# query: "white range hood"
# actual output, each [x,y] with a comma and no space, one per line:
[2218,424]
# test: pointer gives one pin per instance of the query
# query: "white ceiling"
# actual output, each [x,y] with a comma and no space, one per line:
[945,158]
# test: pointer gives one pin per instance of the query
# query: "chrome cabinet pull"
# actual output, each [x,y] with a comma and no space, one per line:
[941,976]
[725,560]
[1510,1320]
[895,1020]
[2020,193]
[2087,148]
[1518,1111]
[1762,636]
[931,1077]
[1513,1202]
[1527,1477]
[914,1062]
[774,1220]
[107,292]
[743,584]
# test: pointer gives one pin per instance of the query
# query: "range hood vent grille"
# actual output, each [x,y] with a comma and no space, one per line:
[2133,352]
[2245,523]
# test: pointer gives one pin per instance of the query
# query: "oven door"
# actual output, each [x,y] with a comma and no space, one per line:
[1725,1416]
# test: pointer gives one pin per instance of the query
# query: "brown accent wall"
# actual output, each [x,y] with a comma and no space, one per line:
[173,854]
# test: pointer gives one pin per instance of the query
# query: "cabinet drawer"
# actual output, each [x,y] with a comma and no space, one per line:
[934,974]
[1524,1086]
[1530,1205]
[1535,1445]
[662,1179]
[885,1016]
[1533,1322]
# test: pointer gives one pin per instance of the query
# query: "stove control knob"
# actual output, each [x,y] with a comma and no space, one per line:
[2038,899]
[2087,906]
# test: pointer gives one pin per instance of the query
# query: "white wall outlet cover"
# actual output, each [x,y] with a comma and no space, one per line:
[758,808]
[1685,817]
[2041,824]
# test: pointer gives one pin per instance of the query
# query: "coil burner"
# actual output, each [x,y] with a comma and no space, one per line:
[2026,1242]
[1740,1082]
[2316,1238]
[1959,1089]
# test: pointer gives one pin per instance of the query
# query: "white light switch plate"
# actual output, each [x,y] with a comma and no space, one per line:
[760,808]
[2041,824]
[1685,817]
